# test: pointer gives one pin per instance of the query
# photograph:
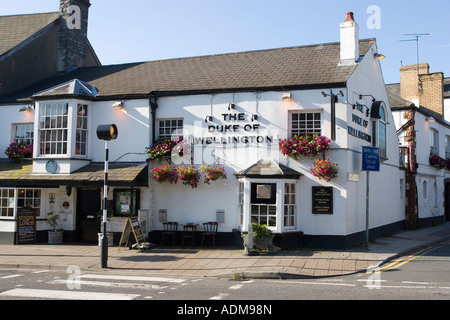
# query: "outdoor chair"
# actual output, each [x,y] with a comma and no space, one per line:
[170,229]
[210,230]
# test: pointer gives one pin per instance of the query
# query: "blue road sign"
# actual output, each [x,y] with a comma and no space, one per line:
[371,159]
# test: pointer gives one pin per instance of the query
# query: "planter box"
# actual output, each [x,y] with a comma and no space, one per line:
[263,244]
[55,237]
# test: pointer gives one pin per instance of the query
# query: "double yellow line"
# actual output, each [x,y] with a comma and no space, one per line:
[406,259]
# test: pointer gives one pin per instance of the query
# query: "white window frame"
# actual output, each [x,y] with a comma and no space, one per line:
[83,127]
[434,141]
[377,125]
[40,145]
[27,128]
[296,124]
[169,125]
[5,203]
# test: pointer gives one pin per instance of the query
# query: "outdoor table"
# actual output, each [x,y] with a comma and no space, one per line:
[189,231]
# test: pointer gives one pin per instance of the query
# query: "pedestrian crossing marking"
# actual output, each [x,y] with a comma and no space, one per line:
[66,295]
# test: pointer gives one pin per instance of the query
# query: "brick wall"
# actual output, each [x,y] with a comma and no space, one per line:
[420,84]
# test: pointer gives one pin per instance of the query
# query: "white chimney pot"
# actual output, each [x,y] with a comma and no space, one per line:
[349,41]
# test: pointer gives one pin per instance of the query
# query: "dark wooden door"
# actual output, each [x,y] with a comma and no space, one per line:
[88,207]
[447,201]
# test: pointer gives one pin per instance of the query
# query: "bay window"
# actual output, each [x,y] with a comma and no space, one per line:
[53,128]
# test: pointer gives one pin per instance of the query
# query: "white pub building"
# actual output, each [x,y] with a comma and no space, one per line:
[233,111]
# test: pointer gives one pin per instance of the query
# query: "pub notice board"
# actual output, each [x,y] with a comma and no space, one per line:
[322,200]
[26,226]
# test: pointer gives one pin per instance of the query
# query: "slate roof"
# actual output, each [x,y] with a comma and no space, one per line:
[119,174]
[313,66]
[17,29]
[395,99]
[269,169]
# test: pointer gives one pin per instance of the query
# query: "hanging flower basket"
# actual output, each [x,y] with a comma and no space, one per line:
[19,151]
[162,149]
[213,173]
[165,173]
[297,147]
[325,169]
[437,161]
[189,175]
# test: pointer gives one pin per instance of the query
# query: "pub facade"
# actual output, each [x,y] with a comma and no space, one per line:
[284,127]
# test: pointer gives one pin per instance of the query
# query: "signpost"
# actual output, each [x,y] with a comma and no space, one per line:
[106,132]
[370,163]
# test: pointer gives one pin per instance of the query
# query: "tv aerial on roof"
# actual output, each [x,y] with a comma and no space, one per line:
[416,37]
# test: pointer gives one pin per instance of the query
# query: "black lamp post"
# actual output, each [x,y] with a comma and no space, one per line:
[106,132]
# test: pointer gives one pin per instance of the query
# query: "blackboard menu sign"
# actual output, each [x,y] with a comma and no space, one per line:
[26,226]
[132,226]
[322,200]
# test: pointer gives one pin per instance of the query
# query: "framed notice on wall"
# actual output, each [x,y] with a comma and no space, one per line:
[322,200]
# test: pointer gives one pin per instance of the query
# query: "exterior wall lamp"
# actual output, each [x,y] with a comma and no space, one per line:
[379,56]
[28,108]
[286,96]
[208,119]
[118,105]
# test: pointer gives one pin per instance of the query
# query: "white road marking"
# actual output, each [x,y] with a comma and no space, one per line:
[110,284]
[130,278]
[236,287]
[221,296]
[66,295]
[12,276]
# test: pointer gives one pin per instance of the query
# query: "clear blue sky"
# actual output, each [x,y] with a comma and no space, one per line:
[124,31]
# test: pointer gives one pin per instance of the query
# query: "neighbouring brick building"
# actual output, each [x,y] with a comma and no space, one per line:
[419,104]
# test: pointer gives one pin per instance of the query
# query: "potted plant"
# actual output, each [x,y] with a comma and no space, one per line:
[55,236]
[189,175]
[162,149]
[213,173]
[437,161]
[309,146]
[165,173]
[262,238]
[19,151]
[325,169]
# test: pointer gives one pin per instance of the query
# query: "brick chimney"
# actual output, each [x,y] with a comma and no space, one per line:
[349,40]
[423,88]
[72,41]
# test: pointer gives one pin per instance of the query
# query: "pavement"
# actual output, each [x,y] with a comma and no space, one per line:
[223,262]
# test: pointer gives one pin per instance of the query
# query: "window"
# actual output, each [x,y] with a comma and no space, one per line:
[241,203]
[434,141]
[289,205]
[7,203]
[425,190]
[305,123]
[263,204]
[447,147]
[379,131]
[30,198]
[23,134]
[82,130]
[167,127]
[53,128]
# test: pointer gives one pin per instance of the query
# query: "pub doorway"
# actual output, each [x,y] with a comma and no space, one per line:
[447,201]
[88,207]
